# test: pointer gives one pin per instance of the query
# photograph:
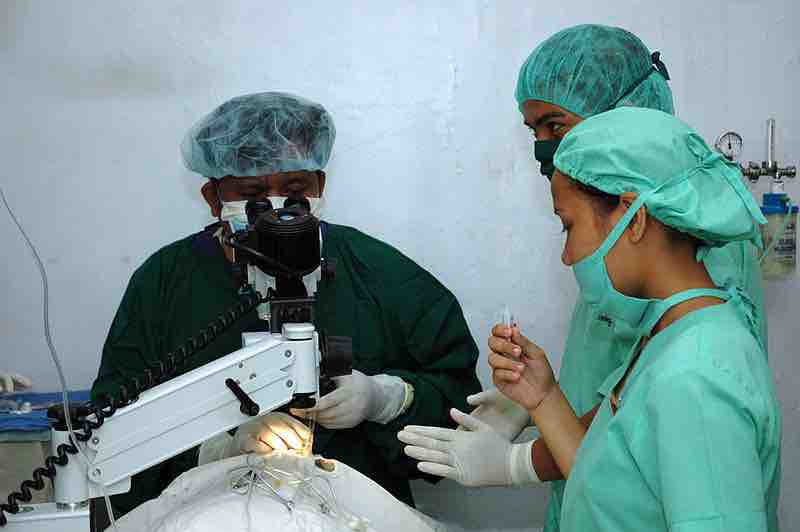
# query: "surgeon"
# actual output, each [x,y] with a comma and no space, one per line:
[414,357]
[687,435]
[573,75]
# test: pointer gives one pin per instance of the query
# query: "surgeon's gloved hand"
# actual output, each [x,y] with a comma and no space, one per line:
[358,398]
[478,456]
[275,431]
[499,412]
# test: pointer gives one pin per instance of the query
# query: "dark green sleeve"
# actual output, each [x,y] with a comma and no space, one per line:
[136,337]
[444,354]
[131,339]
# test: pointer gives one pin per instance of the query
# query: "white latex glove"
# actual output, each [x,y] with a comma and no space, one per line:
[499,412]
[358,398]
[275,431]
[478,456]
[13,382]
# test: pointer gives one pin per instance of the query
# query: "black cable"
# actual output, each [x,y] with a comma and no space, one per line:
[129,392]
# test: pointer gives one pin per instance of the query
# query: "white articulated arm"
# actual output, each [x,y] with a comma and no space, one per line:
[269,371]
[187,410]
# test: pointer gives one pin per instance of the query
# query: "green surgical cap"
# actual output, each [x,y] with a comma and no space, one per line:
[690,187]
[260,134]
[590,69]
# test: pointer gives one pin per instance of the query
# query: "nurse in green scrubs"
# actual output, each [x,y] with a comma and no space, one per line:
[573,75]
[687,436]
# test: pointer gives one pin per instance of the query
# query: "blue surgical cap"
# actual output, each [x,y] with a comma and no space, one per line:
[590,69]
[260,134]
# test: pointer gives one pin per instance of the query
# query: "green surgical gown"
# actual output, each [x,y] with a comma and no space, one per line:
[695,442]
[403,322]
[595,346]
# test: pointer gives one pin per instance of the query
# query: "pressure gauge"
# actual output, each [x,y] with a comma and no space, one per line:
[730,145]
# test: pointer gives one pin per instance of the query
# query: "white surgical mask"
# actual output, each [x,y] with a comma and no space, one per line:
[277,201]
[233,212]
[316,206]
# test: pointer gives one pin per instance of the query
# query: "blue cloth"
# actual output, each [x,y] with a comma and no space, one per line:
[36,420]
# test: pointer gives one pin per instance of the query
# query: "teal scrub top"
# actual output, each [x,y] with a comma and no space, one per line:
[695,442]
[596,346]
[403,322]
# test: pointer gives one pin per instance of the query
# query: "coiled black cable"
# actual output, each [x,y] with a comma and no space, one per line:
[39,474]
[106,405]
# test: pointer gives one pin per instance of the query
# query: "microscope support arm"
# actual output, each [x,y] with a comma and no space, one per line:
[173,417]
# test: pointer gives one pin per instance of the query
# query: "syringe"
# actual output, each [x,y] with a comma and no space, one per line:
[508,319]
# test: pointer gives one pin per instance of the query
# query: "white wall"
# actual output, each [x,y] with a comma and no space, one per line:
[430,156]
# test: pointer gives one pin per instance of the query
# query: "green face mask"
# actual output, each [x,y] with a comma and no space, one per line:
[597,289]
[544,151]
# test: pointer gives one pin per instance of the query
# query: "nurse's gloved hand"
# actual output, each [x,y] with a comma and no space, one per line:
[358,398]
[499,412]
[520,368]
[478,456]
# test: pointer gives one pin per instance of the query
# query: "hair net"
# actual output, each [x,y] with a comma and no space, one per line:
[260,134]
[590,69]
[690,187]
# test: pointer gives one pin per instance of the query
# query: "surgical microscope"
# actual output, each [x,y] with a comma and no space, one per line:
[167,410]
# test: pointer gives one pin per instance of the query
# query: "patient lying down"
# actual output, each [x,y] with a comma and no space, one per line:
[279,491]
